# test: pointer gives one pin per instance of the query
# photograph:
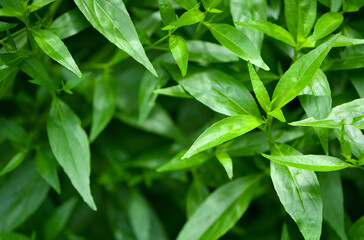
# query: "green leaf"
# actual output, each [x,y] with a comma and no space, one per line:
[174,91]
[343,41]
[355,138]
[345,113]
[196,194]
[143,219]
[259,89]
[58,220]
[68,24]
[356,231]
[180,53]
[271,29]
[277,113]
[55,49]
[206,53]
[103,104]
[13,236]
[320,163]
[147,96]
[210,4]
[112,20]
[226,161]
[47,168]
[333,199]
[38,4]
[9,63]
[186,4]
[177,163]
[221,93]
[71,148]
[300,17]
[36,70]
[316,101]
[244,11]
[10,12]
[351,62]
[299,192]
[20,197]
[14,162]
[237,42]
[223,131]
[13,132]
[167,11]
[352,5]
[6,26]
[218,213]
[190,17]
[300,74]
[285,233]
[14,4]
[325,25]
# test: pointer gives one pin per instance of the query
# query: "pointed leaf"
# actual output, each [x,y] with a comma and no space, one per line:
[112,20]
[167,11]
[237,42]
[325,25]
[226,161]
[14,162]
[271,29]
[259,89]
[320,163]
[223,131]
[38,4]
[221,93]
[218,213]
[174,91]
[300,74]
[104,104]
[55,49]
[177,163]
[180,53]
[186,4]
[299,192]
[190,17]
[71,148]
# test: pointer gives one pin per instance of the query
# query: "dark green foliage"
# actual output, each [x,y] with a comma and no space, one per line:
[181,119]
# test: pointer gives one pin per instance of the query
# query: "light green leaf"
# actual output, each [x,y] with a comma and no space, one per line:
[277,113]
[285,233]
[14,162]
[112,20]
[343,41]
[68,24]
[174,91]
[316,101]
[347,113]
[244,11]
[355,138]
[167,11]
[55,49]
[300,74]
[333,199]
[271,29]
[190,17]
[221,93]
[103,104]
[325,25]
[196,194]
[20,197]
[71,148]
[10,12]
[223,131]
[38,4]
[47,168]
[300,17]
[226,161]
[177,163]
[237,42]
[180,53]
[186,4]
[321,163]
[206,53]
[218,213]
[58,220]
[259,89]
[299,192]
